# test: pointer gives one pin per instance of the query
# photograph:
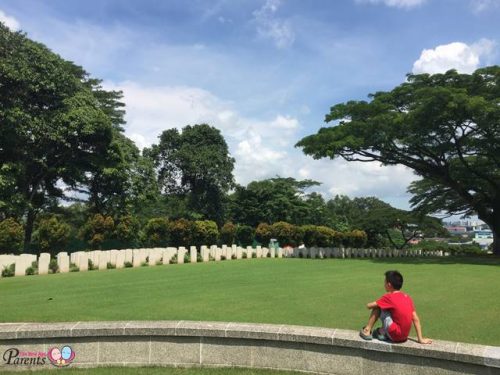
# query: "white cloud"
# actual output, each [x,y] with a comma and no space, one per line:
[262,148]
[395,3]
[460,56]
[9,21]
[479,6]
[271,27]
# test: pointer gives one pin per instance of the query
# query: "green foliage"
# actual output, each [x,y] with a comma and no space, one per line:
[9,271]
[11,236]
[269,201]
[181,232]
[205,232]
[473,249]
[264,233]
[127,230]
[98,229]
[57,125]
[244,235]
[74,268]
[195,163]
[287,234]
[52,235]
[110,266]
[443,126]
[128,265]
[319,236]
[53,266]
[33,269]
[355,238]
[156,232]
[228,234]
[92,266]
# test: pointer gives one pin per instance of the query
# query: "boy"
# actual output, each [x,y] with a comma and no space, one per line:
[396,311]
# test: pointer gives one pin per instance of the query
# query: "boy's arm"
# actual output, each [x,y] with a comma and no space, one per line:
[371,305]
[418,328]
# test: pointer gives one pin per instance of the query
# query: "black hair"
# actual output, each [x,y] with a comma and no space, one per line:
[395,278]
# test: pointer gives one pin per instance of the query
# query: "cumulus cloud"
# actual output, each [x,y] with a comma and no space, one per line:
[479,6]
[9,21]
[395,3]
[262,148]
[457,55]
[272,27]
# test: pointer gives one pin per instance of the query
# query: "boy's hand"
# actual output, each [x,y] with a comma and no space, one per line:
[424,340]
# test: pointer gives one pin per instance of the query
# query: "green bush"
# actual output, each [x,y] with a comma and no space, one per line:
[244,235]
[287,234]
[264,233]
[319,236]
[127,231]
[11,236]
[110,266]
[204,232]
[9,271]
[33,269]
[181,232]
[228,234]
[156,232]
[355,238]
[91,266]
[73,268]
[52,235]
[128,265]
[53,266]
[98,229]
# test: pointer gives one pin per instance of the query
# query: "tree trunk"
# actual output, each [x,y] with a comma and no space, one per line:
[28,230]
[496,241]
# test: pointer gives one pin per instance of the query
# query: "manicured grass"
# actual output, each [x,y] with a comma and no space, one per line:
[457,298]
[162,370]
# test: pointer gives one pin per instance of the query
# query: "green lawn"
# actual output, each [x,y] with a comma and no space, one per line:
[457,298]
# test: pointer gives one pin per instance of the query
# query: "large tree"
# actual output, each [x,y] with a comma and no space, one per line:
[272,200]
[445,127]
[56,124]
[195,164]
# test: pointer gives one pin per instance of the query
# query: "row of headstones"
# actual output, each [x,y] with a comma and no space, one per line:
[314,252]
[135,257]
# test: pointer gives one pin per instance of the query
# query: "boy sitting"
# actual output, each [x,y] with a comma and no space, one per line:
[396,311]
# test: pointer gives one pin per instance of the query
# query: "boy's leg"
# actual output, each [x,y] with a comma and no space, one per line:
[374,315]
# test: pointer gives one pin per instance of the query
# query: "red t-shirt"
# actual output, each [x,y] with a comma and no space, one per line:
[400,305]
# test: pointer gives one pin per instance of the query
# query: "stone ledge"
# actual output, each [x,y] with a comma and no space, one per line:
[488,356]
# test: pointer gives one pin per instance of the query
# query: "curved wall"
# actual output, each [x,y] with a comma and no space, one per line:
[218,344]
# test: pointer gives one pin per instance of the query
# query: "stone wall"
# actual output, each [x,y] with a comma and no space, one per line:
[218,344]
[102,260]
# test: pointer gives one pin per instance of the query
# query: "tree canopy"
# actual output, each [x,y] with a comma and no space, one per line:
[445,127]
[56,126]
[195,163]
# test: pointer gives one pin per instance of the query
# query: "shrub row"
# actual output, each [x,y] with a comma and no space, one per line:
[100,232]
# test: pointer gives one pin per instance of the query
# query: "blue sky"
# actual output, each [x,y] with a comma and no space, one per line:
[265,72]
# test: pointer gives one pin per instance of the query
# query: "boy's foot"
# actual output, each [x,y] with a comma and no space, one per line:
[365,334]
[377,334]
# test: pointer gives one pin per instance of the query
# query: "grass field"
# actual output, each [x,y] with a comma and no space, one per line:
[457,298]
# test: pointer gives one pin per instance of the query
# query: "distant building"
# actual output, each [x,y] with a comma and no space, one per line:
[483,237]
[456,229]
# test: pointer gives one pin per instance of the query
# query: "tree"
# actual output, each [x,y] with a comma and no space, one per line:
[445,127]
[270,201]
[11,236]
[56,126]
[52,235]
[195,163]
